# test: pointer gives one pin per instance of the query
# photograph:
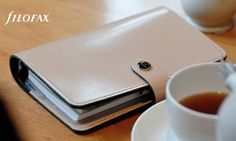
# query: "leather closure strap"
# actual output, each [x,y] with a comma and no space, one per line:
[153,75]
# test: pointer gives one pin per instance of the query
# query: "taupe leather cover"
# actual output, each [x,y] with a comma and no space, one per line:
[97,64]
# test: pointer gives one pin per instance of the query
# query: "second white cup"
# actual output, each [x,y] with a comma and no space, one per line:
[210,15]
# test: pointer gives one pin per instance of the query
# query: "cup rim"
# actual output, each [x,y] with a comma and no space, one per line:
[180,106]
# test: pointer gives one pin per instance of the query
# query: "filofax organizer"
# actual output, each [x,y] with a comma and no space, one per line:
[89,79]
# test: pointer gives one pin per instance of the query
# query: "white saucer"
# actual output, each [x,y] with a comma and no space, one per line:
[153,125]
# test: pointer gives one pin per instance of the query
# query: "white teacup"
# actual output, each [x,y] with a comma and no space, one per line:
[210,15]
[187,124]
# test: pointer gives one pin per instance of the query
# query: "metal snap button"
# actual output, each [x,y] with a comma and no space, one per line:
[144,65]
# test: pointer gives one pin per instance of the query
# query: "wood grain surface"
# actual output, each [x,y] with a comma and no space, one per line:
[67,17]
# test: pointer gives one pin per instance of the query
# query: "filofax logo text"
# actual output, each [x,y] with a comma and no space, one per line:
[41,18]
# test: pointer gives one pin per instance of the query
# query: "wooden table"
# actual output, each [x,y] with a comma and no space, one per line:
[32,122]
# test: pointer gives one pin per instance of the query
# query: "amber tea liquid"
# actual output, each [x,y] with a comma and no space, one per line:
[207,102]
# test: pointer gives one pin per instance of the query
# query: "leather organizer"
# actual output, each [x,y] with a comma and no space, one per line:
[138,52]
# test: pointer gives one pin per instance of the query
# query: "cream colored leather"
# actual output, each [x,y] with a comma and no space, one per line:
[96,65]
[154,76]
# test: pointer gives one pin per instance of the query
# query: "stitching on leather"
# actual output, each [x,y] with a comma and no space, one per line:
[114,115]
[111,94]
[215,46]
